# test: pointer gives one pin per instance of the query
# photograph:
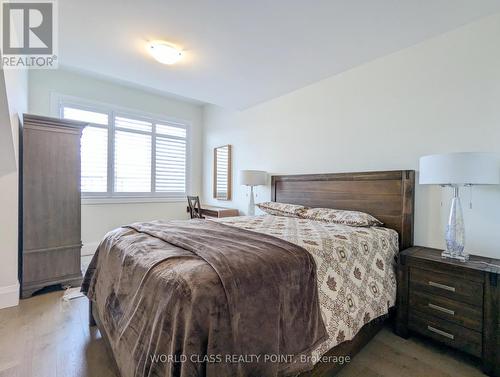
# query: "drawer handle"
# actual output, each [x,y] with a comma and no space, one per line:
[442,286]
[441,332]
[441,309]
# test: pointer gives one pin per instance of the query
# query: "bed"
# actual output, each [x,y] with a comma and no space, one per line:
[386,195]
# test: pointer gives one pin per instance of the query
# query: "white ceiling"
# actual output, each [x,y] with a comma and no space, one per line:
[240,52]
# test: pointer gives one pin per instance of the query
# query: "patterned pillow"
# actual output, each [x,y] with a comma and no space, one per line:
[281,209]
[338,216]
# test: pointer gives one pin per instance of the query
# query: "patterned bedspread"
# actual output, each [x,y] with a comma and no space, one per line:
[355,269]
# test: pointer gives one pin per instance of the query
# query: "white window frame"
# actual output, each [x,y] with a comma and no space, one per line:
[58,102]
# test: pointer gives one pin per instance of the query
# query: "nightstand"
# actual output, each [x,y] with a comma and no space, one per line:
[455,303]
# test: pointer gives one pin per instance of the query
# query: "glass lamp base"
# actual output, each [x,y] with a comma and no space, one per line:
[463,257]
[455,231]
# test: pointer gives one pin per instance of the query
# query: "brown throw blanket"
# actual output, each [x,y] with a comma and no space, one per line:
[195,298]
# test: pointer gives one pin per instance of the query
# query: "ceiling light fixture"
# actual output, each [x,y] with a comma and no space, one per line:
[164,52]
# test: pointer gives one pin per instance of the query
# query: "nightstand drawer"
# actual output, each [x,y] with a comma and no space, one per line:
[447,286]
[460,313]
[446,332]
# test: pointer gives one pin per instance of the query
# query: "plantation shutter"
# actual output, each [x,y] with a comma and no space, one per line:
[132,155]
[143,157]
[94,148]
[170,167]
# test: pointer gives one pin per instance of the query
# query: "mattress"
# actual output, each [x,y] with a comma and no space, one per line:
[355,269]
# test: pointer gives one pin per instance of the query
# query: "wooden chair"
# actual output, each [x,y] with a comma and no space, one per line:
[194,207]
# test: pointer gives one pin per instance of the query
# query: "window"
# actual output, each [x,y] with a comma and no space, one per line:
[132,155]
[94,155]
[124,155]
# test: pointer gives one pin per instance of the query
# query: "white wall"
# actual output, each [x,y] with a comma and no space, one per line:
[13,103]
[8,162]
[442,95]
[97,219]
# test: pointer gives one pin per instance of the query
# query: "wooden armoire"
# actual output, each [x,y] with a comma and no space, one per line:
[50,224]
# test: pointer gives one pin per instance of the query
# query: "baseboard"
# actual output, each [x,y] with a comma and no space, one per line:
[89,248]
[9,296]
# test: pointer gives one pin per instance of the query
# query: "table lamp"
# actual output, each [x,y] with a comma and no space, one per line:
[252,178]
[455,170]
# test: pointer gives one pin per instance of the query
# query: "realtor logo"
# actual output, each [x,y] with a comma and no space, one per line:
[28,34]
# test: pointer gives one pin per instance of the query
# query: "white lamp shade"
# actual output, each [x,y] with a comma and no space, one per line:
[459,169]
[253,177]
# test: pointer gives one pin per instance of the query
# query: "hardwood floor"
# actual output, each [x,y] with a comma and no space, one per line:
[388,355]
[48,337]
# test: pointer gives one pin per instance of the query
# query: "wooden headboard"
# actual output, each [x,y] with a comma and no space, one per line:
[387,195]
